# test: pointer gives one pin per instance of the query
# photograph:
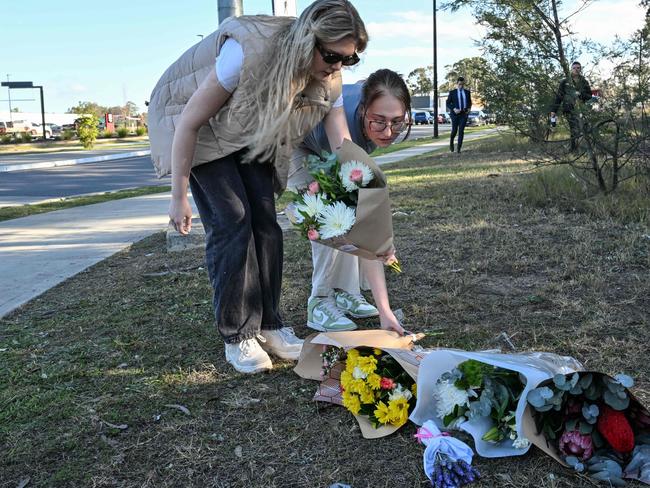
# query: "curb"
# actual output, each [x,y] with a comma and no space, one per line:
[4,168]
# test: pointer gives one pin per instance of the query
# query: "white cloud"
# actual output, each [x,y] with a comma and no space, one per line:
[602,21]
[77,88]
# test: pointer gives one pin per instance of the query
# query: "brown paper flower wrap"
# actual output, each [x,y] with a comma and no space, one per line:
[310,365]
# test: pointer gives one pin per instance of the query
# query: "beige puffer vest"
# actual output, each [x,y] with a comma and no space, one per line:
[225,133]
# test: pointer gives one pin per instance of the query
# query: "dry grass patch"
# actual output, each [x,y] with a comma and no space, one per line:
[95,369]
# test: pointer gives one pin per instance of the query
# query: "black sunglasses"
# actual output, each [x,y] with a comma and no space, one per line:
[333,58]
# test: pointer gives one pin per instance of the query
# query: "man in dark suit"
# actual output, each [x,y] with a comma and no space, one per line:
[459,103]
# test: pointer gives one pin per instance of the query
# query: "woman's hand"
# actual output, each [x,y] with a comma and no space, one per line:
[388,321]
[180,214]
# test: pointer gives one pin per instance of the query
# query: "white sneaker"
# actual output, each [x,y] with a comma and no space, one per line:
[281,342]
[324,315]
[248,356]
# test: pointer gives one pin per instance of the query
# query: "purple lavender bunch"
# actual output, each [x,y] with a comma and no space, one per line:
[448,473]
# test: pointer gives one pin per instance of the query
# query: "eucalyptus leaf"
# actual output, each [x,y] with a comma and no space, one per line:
[590,413]
[537,397]
[571,424]
[585,381]
[559,380]
[571,460]
[615,401]
[624,380]
[593,392]
[586,428]
[597,439]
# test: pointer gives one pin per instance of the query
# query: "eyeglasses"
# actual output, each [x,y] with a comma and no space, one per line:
[379,126]
[333,58]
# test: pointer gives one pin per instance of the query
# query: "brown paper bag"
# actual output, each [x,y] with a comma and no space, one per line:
[372,233]
[310,364]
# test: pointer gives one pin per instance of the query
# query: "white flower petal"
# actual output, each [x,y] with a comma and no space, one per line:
[336,220]
[346,171]
[447,396]
[312,205]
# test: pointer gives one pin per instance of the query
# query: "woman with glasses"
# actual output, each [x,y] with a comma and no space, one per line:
[376,112]
[227,128]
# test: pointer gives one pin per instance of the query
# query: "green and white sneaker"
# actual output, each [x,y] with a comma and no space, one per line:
[324,316]
[354,305]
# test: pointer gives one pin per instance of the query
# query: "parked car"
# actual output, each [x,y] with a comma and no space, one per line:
[51,130]
[443,118]
[422,118]
[490,118]
[476,118]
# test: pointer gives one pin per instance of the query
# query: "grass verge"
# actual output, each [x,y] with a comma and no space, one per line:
[72,145]
[93,371]
[7,213]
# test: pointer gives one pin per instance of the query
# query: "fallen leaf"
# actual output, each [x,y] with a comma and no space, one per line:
[24,482]
[238,451]
[113,426]
[179,407]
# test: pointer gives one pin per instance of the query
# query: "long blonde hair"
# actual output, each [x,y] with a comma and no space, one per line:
[288,71]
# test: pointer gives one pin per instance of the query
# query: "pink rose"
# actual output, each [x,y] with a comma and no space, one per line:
[313,235]
[386,384]
[313,188]
[356,176]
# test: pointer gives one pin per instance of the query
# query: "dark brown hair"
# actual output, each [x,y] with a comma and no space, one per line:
[387,82]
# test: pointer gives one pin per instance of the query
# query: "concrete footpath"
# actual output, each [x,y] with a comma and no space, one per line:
[40,251]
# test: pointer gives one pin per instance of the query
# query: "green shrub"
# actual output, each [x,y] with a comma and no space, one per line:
[122,132]
[140,131]
[25,137]
[67,134]
[87,130]
[5,139]
[106,134]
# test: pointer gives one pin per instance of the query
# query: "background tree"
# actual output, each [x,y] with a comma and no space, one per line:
[475,70]
[87,130]
[529,47]
[420,80]
[90,108]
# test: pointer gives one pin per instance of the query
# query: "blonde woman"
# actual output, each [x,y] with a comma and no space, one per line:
[274,79]
[376,112]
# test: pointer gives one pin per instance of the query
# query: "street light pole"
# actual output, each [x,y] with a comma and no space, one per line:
[11,119]
[42,113]
[29,84]
[229,8]
[435,74]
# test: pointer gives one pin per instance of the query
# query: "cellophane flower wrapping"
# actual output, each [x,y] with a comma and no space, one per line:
[533,368]
[447,460]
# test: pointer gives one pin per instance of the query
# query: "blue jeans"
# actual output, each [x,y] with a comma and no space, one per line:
[458,122]
[243,244]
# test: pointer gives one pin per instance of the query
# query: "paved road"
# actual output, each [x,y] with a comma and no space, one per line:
[20,187]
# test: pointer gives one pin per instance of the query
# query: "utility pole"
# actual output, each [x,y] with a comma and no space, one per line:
[11,119]
[284,8]
[229,8]
[435,74]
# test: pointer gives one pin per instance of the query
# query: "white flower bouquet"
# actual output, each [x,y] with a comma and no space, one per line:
[485,397]
[347,205]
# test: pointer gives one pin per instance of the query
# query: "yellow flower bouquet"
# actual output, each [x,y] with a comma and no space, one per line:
[375,385]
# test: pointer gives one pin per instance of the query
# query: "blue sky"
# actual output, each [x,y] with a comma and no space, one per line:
[111,52]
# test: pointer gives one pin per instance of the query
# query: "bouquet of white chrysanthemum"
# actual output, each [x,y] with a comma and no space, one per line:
[346,206]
